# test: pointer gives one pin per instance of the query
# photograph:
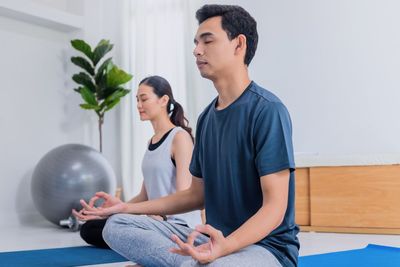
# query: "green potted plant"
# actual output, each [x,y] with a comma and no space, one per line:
[100,85]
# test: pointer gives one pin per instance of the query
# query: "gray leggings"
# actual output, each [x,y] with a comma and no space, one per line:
[146,241]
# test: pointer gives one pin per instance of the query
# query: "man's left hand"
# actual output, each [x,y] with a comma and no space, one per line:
[217,245]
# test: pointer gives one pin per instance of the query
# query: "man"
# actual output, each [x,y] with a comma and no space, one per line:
[242,167]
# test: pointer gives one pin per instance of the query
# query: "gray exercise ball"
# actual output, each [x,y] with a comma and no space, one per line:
[67,174]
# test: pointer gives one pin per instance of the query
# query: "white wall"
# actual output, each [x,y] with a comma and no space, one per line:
[39,109]
[336,66]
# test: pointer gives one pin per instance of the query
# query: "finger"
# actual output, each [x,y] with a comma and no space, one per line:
[77,214]
[179,251]
[102,194]
[100,212]
[93,200]
[209,230]
[206,247]
[83,217]
[180,244]
[92,217]
[93,213]
[186,249]
[197,255]
[85,205]
[192,237]
[177,240]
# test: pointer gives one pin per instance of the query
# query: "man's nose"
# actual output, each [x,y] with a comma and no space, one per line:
[197,51]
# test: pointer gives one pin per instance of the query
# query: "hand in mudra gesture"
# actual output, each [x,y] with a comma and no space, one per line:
[217,246]
[111,205]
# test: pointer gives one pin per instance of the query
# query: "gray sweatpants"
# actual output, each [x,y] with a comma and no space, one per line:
[146,241]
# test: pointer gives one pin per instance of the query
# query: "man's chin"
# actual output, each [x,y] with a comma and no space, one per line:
[205,75]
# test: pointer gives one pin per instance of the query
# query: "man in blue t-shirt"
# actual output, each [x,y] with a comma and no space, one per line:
[242,167]
[243,150]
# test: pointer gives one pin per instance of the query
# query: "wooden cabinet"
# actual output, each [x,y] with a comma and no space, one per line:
[302,197]
[358,199]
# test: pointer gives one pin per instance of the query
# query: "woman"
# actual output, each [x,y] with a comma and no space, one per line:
[165,165]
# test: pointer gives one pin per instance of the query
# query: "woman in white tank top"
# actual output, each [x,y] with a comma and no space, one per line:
[165,165]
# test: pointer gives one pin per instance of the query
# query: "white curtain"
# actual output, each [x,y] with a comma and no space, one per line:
[157,40]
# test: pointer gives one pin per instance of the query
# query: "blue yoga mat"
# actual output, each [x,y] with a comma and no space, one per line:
[59,257]
[370,256]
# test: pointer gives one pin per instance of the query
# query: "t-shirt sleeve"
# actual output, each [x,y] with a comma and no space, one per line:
[273,140]
[195,164]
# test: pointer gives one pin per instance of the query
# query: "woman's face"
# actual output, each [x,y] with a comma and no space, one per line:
[149,104]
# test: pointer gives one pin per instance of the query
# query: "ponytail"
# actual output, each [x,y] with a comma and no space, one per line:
[177,116]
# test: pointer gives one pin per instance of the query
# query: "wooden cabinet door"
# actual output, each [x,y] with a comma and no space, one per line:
[364,196]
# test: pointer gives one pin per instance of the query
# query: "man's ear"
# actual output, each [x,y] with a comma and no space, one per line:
[241,44]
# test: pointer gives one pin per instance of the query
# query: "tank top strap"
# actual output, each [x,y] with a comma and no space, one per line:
[170,138]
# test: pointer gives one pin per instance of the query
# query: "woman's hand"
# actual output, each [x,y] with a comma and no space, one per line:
[103,212]
[82,217]
[110,206]
[109,200]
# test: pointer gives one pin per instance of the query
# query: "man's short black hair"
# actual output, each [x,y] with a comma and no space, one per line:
[235,21]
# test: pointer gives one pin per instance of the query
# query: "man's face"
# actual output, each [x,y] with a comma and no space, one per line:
[214,52]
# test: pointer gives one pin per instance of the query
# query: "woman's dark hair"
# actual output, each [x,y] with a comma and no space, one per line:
[235,21]
[161,87]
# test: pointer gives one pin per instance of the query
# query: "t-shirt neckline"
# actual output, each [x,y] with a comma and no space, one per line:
[221,111]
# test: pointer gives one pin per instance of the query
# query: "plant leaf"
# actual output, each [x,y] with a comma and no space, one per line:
[84,79]
[83,47]
[112,104]
[106,92]
[103,42]
[102,88]
[88,106]
[103,69]
[78,90]
[83,63]
[101,49]
[88,96]
[117,77]
[119,93]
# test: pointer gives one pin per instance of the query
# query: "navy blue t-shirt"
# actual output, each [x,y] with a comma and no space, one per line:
[234,147]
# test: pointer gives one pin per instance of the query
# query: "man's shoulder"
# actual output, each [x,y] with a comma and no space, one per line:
[264,95]
[266,104]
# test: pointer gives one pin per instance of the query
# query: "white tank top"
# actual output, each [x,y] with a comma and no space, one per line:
[159,176]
